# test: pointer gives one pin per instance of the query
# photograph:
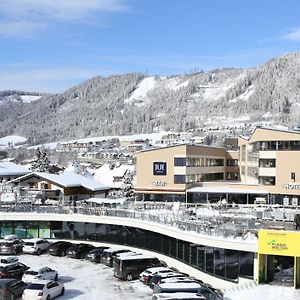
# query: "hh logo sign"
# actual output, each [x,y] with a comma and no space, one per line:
[159,168]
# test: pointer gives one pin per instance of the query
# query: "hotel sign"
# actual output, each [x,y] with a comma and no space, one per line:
[292,186]
[159,168]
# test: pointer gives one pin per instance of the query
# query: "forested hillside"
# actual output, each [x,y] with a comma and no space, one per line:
[135,103]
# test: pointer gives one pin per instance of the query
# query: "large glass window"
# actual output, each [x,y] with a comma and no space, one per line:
[32,229]
[201,257]
[219,255]
[7,228]
[231,264]
[246,264]
[210,261]
[44,229]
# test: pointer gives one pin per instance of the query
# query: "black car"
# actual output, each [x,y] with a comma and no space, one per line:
[13,271]
[79,250]
[95,254]
[11,247]
[11,288]
[59,248]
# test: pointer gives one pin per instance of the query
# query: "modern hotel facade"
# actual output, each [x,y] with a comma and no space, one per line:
[265,165]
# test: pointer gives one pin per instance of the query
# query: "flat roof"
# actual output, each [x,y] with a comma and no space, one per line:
[225,190]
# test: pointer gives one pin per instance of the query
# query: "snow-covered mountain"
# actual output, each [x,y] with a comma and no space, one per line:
[135,103]
[19,96]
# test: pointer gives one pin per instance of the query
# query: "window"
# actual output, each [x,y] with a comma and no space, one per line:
[232,162]
[179,161]
[266,180]
[267,163]
[179,179]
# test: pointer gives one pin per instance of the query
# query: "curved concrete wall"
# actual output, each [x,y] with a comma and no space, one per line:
[236,244]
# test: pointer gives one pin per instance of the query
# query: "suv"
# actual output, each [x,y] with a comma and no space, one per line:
[11,246]
[13,271]
[59,248]
[35,246]
[11,288]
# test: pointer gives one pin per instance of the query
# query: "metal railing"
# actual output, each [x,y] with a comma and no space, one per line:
[206,225]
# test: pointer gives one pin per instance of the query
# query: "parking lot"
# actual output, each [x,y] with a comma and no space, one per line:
[84,280]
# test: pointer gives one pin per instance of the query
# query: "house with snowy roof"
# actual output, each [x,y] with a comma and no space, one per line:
[10,170]
[113,175]
[68,185]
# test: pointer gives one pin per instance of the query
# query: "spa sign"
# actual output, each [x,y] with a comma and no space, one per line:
[279,242]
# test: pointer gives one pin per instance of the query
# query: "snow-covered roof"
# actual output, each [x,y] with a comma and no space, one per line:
[68,179]
[226,190]
[106,174]
[106,200]
[8,168]
[13,140]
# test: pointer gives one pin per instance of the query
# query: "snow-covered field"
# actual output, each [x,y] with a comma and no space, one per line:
[84,280]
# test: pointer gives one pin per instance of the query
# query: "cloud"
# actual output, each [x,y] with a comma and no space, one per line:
[293,35]
[24,16]
[45,79]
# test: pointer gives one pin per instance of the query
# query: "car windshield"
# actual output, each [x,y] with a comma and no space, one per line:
[36,286]
[29,244]
[31,273]
[6,244]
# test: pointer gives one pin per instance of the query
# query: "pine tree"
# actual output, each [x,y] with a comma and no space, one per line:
[42,163]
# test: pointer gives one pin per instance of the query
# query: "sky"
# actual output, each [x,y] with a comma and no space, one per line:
[52,45]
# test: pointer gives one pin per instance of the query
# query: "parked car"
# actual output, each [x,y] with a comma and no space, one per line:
[9,260]
[44,273]
[43,290]
[178,296]
[13,270]
[11,246]
[188,287]
[36,246]
[146,275]
[79,250]
[108,255]
[95,254]
[11,288]
[59,248]
[11,237]
[156,278]
[129,267]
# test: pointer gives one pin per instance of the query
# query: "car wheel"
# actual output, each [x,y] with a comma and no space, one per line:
[62,291]
[129,277]
[48,297]
[55,278]
[38,252]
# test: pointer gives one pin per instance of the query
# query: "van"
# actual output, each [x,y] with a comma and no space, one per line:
[108,255]
[130,267]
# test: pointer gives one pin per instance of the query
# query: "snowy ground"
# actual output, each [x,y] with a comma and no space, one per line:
[84,280]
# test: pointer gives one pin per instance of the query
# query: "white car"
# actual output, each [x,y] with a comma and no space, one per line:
[43,290]
[9,260]
[171,296]
[146,275]
[35,246]
[44,273]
